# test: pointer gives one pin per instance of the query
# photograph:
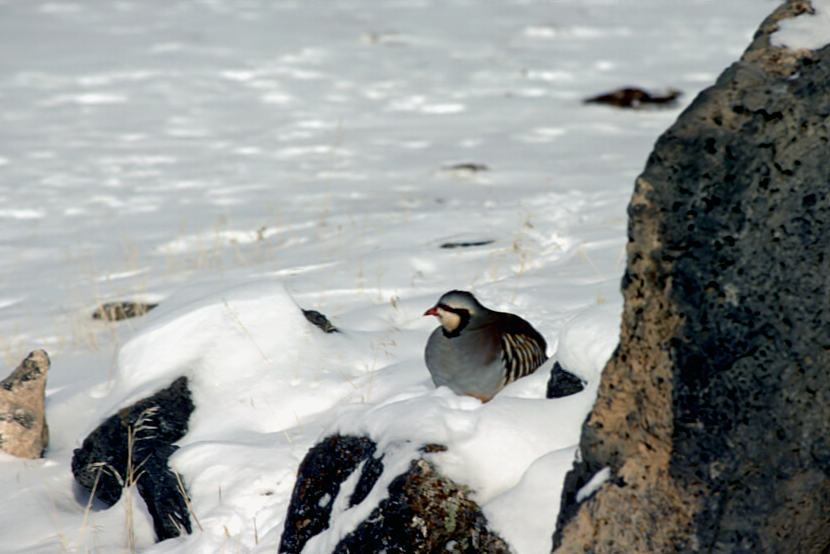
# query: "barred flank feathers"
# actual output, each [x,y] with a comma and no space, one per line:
[521,355]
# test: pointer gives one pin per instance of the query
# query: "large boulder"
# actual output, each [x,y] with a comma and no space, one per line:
[23,429]
[713,416]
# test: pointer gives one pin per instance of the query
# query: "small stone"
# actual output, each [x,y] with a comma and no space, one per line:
[116,311]
[319,320]
[636,98]
[563,383]
[23,429]
[467,166]
[464,170]
[467,244]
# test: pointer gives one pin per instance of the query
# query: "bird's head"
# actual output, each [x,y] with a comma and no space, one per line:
[455,309]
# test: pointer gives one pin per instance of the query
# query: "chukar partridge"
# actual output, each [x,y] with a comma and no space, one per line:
[477,351]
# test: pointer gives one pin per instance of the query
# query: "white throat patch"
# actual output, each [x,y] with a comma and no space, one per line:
[449,320]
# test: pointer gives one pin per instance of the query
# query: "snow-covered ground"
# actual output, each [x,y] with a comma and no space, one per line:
[234,159]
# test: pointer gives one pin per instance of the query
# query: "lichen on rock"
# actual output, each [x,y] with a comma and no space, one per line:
[422,512]
[714,411]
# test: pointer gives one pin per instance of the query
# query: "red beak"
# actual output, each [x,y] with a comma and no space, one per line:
[432,311]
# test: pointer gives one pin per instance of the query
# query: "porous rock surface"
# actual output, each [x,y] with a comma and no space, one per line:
[23,429]
[424,512]
[714,413]
[134,445]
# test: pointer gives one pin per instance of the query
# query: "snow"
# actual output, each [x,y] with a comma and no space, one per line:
[806,31]
[235,161]
[593,484]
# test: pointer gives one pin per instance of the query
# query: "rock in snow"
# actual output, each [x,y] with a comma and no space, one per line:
[319,479]
[133,447]
[636,98]
[116,311]
[423,512]
[23,429]
[563,383]
[316,318]
[713,414]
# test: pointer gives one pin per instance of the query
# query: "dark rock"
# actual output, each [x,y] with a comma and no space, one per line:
[471,167]
[463,171]
[116,311]
[316,318]
[714,412]
[370,474]
[563,383]
[133,446]
[467,244]
[324,468]
[23,429]
[636,98]
[424,512]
